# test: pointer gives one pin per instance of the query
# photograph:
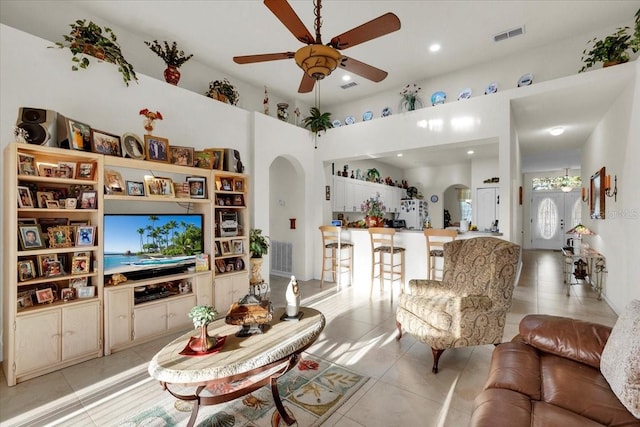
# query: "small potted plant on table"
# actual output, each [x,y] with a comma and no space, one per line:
[202,315]
[172,56]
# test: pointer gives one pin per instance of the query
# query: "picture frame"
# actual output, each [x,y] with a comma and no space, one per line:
[238,200]
[79,135]
[43,197]
[221,266]
[239,264]
[47,170]
[78,282]
[217,249]
[24,302]
[24,197]
[113,182]
[66,170]
[88,199]
[70,203]
[217,157]
[237,246]
[80,265]
[85,235]
[26,270]
[67,294]
[27,164]
[53,204]
[26,221]
[156,148]
[44,296]
[238,185]
[155,186]
[106,143]
[60,237]
[181,156]
[597,194]
[203,159]
[197,187]
[225,245]
[30,237]
[86,171]
[59,193]
[135,188]
[226,184]
[54,268]
[43,263]
[133,146]
[86,291]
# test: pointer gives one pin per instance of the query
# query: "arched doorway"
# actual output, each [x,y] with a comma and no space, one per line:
[457,204]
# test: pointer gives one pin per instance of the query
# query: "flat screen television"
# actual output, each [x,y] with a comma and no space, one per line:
[146,245]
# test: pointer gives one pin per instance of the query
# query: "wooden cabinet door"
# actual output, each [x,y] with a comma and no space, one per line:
[177,312]
[149,320]
[486,208]
[37,341]
[339,194]
[229,290]
[80,330]
[119,313]
[203,289]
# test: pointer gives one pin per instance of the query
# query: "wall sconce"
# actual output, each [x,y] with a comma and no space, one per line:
[607,187]
[585,195]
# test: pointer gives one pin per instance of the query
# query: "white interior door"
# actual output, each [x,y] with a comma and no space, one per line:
[552,214]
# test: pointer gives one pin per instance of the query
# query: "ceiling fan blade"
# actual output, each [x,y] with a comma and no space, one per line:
[365,70]
[382,25]
[283,11]
[249,59]
[307,83]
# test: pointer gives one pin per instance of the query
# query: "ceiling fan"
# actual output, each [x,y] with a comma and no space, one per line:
[318,60]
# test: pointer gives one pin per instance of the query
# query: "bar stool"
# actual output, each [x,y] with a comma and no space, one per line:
[382,243]
[337,247]
[436,238]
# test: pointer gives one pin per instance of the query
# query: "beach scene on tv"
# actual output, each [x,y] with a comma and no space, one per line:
[140,242]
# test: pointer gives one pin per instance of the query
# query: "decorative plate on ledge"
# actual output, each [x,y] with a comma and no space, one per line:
[368,115]
[386,111]
[349,120]
[336,123]
[492,88]
[438,98]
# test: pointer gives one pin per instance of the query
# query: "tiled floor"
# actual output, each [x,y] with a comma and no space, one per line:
[360,334]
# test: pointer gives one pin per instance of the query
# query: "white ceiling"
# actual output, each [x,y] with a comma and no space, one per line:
[215,31]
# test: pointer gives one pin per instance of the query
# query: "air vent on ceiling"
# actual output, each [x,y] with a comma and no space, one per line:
[348,85]
[508,34]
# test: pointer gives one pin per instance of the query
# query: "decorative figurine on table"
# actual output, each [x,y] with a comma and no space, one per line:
[292,295]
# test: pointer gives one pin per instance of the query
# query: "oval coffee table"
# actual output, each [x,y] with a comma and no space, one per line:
[242,365]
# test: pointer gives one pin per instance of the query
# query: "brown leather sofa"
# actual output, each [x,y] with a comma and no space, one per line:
[549,375]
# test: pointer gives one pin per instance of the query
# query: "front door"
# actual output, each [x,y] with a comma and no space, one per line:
[553,213]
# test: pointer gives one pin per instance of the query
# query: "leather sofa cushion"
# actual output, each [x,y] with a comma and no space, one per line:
[571,338]
[501,408]
[545,415]
[515,366]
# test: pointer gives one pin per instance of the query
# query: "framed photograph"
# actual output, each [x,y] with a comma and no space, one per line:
[67,294]
[157,149]
[26,270]
[203,159]
[60,237]
[133,146]
[86,291]
[30,237]
[226,184]
[155,186]
[181,156]
[44,296]
[66,170]
[226,247]
[59,193]
[238,200]
[54,268]
[217,157]
[85,235]
[24,197]
[221,266]
[216,248]
[88,199]
[106,143]
[70,203]
[53,204]
[113,182]
[27,164]
[239,264]
[80,265]
[79,135]
[48,170]
[78,282]
[135,188]
[24,302]
[42,197]
[86,170]
[26,221]
[238,185]
[197,188]
[237,247]
[43,263]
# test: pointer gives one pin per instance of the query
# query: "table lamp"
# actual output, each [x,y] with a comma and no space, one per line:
[579,230]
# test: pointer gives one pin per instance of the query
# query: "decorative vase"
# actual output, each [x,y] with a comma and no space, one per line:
[283,112]
[373,221]
[204,342]
[292,295]
[148,124]
[172,75]
[256,267]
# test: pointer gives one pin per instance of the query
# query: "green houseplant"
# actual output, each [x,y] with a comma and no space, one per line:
[172,56]
[613,49]
[317,122]
[101,43]
[258,246]
[202,315]
[224,91]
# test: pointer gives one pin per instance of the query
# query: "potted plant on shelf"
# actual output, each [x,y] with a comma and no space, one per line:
[91,39]
[202,315]
[224,91]
[613,49]
[317,122]
[258,246]
[173,57]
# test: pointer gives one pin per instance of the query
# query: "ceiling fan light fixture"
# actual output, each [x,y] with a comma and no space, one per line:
[317,61]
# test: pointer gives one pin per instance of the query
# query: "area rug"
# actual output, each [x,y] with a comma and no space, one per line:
[312,392]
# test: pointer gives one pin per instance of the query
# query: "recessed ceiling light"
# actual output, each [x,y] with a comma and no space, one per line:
[559,130]
[346,77]
[399,154]
[470,152]
[434,47]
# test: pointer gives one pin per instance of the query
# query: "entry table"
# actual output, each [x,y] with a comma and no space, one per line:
[241,366]
[594,264]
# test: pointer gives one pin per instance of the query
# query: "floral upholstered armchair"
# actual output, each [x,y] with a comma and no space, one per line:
[469,306]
